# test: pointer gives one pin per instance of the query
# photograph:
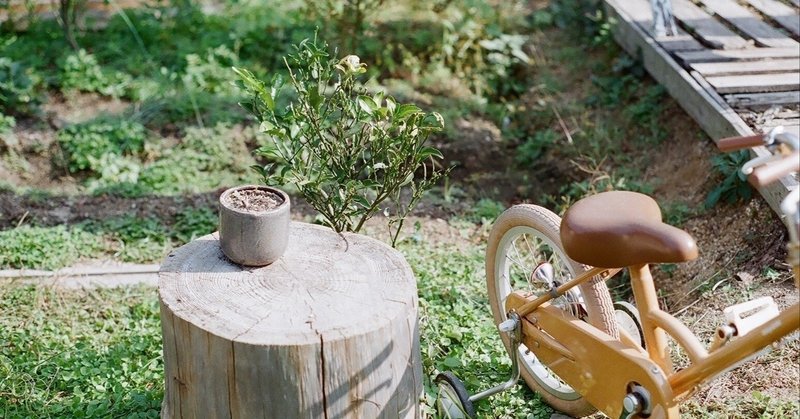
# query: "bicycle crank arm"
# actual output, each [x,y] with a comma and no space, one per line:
[602,369]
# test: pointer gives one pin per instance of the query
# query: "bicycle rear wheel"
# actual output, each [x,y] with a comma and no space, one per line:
[523,237]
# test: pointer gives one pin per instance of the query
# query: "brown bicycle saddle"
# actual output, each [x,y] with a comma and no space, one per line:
[619,229]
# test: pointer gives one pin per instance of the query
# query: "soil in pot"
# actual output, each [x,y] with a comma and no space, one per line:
[254,200]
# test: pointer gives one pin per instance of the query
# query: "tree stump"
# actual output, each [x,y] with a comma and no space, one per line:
[328,331]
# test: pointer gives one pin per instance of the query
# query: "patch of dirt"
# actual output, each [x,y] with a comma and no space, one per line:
[48,210]
[79,107]
[252,200]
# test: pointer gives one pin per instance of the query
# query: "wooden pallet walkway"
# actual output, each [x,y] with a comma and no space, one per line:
[734,65]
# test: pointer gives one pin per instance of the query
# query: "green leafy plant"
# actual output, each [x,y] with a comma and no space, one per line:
[346,151]
[45,247]
[484,60]
[7,138]
[734,186]
[212,72]
[17,89]
[7,123]
[193,223]
[530,151]
[80,71]
[89,353]
[485,211]
[85,145]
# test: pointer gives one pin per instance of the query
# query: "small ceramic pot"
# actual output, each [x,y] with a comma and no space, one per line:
[253,237]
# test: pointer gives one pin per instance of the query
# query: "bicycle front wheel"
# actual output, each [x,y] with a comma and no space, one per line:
[523,237]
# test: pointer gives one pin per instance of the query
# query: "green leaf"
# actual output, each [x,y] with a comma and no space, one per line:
[404,111]
[314,97]
[266,126]
[361,200]
[378,98]
[367,104]
[426,152]
[452,362]
[391,104]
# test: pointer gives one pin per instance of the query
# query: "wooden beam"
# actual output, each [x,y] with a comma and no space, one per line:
[760,67]
[714,117]
[706,27]
[779,12]
[763,100]
[750,83]
[750,24]
[735,55]
[692,92]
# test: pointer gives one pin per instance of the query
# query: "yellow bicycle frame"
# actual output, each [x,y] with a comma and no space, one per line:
[603,370]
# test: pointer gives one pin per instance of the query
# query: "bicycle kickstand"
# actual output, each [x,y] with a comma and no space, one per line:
[513,328]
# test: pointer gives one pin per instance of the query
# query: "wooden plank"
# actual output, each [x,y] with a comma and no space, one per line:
[716,119]
[679,43]
[641,13]
[709,30]
[692,92]
[779,12]
[750,24]
[761,67]
[735,55]
[763,100]
[755,83]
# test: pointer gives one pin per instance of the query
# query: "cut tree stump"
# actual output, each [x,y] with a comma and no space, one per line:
[328,331]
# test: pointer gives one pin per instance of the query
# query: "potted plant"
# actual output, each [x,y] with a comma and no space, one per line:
[253,224]
[349,152]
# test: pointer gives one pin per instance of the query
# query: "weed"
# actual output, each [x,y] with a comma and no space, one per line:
[600,181]
[734,186]
[87,354]
[8,140]
[207,158]
[18,94]
[81,72]
[86,144]
[343,20]
[138,239]
[620,86]
[46,247]
[485,211]
[211,73]
[532,149]
[193,223]
[676,213]
[583,18]
[7,123]
[756,406]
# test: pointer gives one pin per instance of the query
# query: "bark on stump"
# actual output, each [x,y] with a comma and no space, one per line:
[328,331]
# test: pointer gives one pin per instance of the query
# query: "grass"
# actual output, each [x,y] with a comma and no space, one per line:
[79,354]
[125,238]
[46,247]
[456,327]
[97,353]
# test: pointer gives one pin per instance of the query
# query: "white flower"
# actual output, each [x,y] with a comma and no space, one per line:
[351,64]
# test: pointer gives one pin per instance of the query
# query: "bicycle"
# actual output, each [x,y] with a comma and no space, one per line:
[546,280]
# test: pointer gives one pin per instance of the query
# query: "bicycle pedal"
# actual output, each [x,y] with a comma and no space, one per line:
[750,315]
